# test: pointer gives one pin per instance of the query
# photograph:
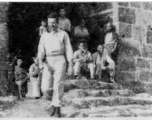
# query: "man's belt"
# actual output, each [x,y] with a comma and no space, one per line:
[53,55]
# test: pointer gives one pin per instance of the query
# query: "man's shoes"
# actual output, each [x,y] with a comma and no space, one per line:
[52,110]
[57,112]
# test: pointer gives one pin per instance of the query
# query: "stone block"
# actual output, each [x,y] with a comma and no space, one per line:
[137,33]
[5,66]
[143,63]
[147,5]
[127,15]
[148,87]
[129,48]
[123,77]
[126,63]
[3,13]
[130,83]
[135,4]
[145,75]
[125,29]
[124,4]
[149,37]
[147,51]
[3,30]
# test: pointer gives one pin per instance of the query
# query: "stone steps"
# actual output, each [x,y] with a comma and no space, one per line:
[78,93]
[88,102]
[107,111]
[90,84]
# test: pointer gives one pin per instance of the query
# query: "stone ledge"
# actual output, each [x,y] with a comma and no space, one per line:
[78,93]
[87,102]
[87,84]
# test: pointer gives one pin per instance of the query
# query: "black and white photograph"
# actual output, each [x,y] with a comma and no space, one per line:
[76,59]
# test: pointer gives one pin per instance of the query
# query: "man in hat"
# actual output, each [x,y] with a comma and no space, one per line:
[52,49]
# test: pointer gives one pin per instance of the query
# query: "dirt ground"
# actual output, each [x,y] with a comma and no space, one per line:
[39,108]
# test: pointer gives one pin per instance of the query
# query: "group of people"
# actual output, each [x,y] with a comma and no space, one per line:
[56,59]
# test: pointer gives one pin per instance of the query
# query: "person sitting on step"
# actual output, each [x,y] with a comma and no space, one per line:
[35,78]
[83,59]
[100,58]
[21,76]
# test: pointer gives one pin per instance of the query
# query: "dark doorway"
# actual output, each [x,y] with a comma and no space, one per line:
[25,19]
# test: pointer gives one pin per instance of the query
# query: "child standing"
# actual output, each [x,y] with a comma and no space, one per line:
[21,77]
[42,28]
[35,78]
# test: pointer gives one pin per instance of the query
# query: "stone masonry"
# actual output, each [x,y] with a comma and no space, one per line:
[134,62]
[4,37]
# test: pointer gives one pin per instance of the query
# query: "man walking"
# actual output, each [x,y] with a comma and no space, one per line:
[52,49]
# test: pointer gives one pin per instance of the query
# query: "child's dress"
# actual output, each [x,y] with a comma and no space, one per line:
[35,80]
[20,75]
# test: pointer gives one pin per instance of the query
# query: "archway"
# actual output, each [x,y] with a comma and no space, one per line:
[25,19]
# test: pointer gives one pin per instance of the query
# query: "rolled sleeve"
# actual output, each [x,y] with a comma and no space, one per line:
[68,48]
[41,49]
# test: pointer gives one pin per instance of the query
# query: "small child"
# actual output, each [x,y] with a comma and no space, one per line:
[42,28]
[21,77]
[35,78]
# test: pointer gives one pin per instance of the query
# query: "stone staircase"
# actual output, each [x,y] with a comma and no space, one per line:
[86,98]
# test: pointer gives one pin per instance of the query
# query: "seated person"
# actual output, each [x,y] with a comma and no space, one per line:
[21,76]
[99,59]
[35,78]
[83,58]
[81,33]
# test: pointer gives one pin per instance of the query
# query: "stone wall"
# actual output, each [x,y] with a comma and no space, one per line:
[4,66]
[134,62]
[135,49]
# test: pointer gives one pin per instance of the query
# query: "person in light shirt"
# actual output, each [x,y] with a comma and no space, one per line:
[111,40]
[100,58]
[64,23]
[52,50]
[83,59]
